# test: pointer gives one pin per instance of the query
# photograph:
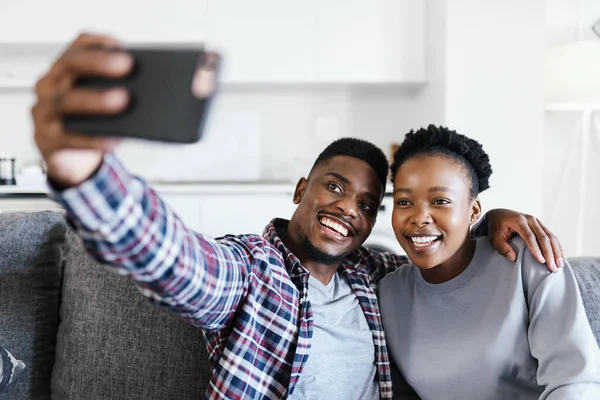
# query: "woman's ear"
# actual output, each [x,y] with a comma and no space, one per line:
[300,189]
[475,211]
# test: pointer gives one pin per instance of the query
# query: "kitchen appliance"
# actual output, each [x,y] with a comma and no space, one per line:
[7,170]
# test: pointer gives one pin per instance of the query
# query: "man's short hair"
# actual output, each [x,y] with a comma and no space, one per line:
[357,148]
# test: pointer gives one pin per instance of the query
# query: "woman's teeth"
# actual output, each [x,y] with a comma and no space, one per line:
[423,241]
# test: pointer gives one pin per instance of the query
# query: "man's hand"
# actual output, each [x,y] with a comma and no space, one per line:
[72,158]
[543,244]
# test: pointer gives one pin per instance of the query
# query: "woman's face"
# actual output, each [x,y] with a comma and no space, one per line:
[433,210]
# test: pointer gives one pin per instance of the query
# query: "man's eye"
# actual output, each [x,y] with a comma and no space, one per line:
[367,207]
[334,187]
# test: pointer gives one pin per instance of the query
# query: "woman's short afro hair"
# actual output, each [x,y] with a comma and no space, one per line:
[439,140]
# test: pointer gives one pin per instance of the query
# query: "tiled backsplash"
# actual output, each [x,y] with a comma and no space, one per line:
[284,120]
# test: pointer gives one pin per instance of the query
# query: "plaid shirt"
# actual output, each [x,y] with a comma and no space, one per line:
[248,292]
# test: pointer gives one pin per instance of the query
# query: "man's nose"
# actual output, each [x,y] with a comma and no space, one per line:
[347,206]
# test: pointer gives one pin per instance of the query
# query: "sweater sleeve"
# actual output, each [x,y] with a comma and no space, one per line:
[560,337]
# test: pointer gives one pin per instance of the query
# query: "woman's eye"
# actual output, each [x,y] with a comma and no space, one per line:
[402,202]
[441,201]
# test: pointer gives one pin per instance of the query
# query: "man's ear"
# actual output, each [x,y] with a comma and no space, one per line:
[475,210]
[300,189]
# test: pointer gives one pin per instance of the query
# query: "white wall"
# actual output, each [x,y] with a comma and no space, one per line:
[494,92]
[487,85]
[568,21]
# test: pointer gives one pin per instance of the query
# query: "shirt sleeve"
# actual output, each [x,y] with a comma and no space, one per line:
[560,336]
[382,263]
[125,225]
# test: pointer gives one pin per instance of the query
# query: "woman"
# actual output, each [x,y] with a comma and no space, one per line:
[462,322]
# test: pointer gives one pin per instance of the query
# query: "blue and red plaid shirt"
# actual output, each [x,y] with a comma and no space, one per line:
[248,292]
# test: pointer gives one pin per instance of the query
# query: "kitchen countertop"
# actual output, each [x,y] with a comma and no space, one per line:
[224,187]
[171,188]
[23,191]
[258,187]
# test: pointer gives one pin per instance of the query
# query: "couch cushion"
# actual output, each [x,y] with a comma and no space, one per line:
[30,272]
[587,272]
[114,344]
[10,368]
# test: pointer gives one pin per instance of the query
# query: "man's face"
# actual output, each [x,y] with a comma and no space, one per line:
[337,208]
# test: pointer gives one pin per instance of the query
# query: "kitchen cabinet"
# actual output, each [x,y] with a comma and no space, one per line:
[264,40]
[60,21]
[243,213]
[319,41]
[221,211]
[212,209]
[188,208]
[371,41]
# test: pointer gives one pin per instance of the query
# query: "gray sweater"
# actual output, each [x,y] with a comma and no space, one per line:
[499,330]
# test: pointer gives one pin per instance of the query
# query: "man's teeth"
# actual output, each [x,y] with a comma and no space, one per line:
[422,241]
[335,226]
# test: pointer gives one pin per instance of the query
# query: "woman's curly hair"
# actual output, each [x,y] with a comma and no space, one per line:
[439,140]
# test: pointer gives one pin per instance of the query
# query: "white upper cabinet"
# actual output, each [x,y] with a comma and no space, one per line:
[319,41]
[262,41]
[268,41]
[372,41]
[131,21]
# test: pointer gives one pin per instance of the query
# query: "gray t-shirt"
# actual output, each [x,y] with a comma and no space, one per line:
[499,330]
[341,363]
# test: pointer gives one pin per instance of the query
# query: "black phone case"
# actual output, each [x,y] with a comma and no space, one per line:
[162,106]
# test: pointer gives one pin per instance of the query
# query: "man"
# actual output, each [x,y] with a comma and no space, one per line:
[250,294]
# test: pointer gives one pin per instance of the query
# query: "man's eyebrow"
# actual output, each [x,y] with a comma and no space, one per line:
[339,176]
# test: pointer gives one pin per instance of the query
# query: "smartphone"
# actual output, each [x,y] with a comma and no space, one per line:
[170,91]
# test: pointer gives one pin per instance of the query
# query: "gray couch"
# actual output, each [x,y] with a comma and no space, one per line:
[86,333]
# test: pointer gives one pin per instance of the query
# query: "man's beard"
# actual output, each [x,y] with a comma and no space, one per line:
[318,255]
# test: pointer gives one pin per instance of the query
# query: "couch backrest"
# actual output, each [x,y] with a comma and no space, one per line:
[31,246]
[113,343]
[587,272]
